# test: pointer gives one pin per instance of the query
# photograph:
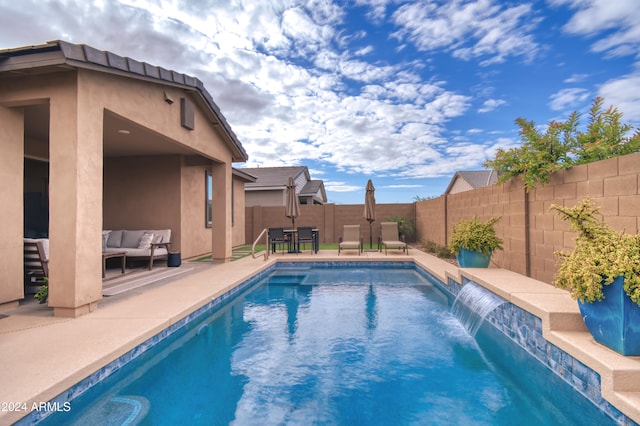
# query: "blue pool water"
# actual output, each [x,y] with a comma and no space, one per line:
[335,346]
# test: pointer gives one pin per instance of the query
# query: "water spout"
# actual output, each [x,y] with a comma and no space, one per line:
[472,305]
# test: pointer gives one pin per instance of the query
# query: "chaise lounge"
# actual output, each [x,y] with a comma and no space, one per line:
[389,238]
[351,239]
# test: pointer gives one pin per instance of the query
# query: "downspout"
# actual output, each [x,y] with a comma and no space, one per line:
[446,219]
[527,232]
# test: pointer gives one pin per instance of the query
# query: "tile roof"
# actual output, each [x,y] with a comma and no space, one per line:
[479,178]
[475,178]
[273,176]
[313,187]
[84,56]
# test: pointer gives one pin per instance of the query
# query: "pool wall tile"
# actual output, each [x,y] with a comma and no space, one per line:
[100,375]
[525,329]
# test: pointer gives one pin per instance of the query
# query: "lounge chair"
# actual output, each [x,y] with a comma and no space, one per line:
[305,235]
[389,238]
[277,237]
[351,239]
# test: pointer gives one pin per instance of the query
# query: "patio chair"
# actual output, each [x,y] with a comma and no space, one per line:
[277,236]
[351,239]
[305,235]
[389,238]
[36,262]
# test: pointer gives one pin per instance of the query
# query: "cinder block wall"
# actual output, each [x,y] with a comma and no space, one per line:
[431,220]
[531,232]
[612,184]
[329,219]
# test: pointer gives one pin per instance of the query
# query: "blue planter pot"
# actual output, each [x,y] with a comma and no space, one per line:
[615,320]
[473,259]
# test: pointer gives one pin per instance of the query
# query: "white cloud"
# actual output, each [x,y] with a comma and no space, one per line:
[491,104]
[618,21]
[402,186]
[624,93]
[341,186]
[469,29]
[294,89]
[576,78]
[568,98]
[364,51]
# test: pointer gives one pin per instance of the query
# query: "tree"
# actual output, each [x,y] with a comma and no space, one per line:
[562,145]
[605,136]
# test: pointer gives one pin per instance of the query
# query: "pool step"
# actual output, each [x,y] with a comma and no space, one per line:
[130,410]
[286,279]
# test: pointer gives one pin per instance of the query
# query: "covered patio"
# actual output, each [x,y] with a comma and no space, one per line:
[106,142]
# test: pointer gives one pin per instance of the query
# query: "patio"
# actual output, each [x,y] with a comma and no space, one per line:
[42,355]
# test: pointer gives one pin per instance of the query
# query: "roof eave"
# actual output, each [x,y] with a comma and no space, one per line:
[87,57]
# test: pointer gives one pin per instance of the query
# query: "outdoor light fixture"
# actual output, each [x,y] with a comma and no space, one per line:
[168,99]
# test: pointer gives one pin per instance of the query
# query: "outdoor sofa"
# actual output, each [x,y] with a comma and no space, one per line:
[138,244]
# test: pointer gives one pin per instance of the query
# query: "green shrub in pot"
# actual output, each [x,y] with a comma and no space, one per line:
[473,241]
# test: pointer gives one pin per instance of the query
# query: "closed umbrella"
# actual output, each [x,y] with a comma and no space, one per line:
[292,207]
[370,209]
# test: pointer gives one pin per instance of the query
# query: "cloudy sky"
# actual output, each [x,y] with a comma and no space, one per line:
[403,92]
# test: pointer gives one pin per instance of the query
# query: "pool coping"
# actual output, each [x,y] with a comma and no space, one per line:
[42,357]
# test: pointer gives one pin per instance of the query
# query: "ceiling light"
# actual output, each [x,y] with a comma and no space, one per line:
[124,131]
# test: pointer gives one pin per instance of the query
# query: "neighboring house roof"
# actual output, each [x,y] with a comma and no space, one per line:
[471,179]
[313,188]
[243,175]
[60,53]
[274,177]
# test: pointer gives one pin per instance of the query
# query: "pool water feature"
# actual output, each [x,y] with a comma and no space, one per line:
[335,345]
[472,305]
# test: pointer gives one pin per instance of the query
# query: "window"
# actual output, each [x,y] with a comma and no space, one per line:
[208,199]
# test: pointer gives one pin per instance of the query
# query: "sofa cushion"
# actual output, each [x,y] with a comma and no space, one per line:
[115,239]
[145,240]
[131,239]
[136,252]
[105,239]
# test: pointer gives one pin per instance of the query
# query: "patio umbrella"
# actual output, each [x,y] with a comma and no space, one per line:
[370,209]
[292,207]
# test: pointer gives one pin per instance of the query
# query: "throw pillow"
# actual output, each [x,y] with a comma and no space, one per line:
[105,238]
[145,241]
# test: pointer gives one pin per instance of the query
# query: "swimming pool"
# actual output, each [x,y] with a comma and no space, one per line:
[367,343]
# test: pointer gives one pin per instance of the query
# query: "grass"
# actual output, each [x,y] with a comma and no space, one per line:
[244,251]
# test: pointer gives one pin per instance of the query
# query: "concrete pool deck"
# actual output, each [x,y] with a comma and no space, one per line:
[41,356]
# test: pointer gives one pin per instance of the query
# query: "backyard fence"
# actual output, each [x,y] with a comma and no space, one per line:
[530,231]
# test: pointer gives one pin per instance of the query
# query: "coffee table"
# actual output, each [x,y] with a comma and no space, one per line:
[122,255]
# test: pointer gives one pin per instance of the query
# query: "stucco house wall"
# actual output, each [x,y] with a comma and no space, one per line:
[238,213]
[100,178]
[274,197]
